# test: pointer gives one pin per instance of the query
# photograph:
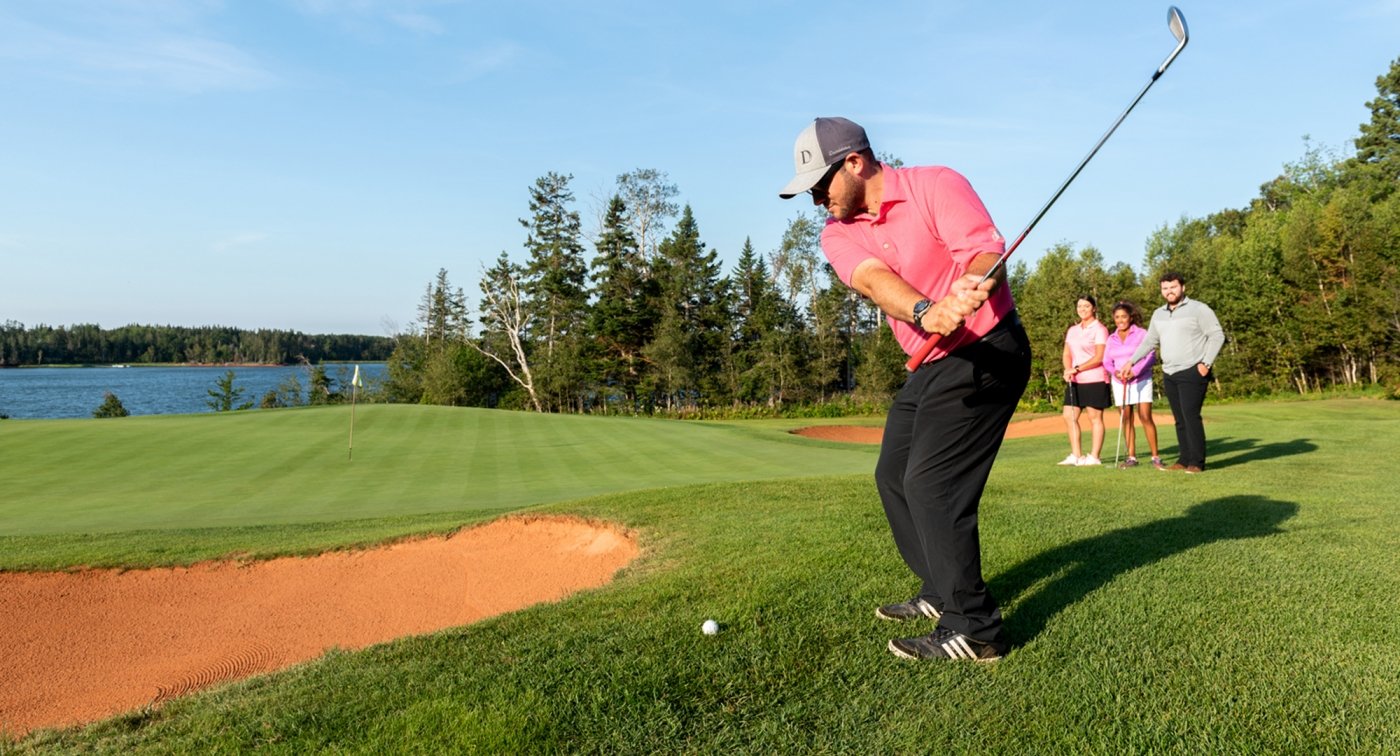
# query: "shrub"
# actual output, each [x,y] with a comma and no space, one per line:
[111,407]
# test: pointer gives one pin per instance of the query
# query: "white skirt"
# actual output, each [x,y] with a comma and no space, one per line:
[1139,392]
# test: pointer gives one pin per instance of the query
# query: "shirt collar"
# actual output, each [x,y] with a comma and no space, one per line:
[894,192]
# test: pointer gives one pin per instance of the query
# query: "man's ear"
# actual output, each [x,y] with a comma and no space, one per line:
[858,165]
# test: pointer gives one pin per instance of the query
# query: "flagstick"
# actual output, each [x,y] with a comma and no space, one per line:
[352,422]
[354,389]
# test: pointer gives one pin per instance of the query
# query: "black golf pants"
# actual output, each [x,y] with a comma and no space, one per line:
[941,438]
[1186,393]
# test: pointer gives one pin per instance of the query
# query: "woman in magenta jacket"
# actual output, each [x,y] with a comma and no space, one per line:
[1134,397]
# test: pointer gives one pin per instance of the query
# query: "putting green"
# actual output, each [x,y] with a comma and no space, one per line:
[290,466]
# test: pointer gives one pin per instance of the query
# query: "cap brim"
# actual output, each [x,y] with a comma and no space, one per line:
[803,181]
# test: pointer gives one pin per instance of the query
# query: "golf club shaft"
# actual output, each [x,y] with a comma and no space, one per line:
[1175,21]
[1122,420]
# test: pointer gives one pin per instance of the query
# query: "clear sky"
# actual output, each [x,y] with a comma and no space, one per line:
[311,164]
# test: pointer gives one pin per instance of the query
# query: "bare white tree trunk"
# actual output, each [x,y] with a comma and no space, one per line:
[503,311]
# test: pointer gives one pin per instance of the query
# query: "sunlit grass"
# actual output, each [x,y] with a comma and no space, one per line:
[1248,609]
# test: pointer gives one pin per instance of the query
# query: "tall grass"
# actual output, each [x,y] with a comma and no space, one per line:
[1248,609]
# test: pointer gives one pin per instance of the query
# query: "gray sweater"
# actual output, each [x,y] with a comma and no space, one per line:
[1187,335]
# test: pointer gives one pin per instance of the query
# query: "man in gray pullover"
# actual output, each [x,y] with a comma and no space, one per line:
[1190,337]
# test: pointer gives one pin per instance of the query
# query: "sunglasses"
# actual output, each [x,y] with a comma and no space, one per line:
[820,189]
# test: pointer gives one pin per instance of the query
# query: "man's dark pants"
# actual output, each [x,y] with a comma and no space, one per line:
[941,438]
[1186,393]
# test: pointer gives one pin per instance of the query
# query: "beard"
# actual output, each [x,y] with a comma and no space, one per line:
[849,201]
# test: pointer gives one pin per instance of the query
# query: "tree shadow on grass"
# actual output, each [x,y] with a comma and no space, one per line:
[1222,453]
[1076,569]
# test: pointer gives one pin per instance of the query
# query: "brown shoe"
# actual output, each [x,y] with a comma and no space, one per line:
[1192,470]
[1178,466]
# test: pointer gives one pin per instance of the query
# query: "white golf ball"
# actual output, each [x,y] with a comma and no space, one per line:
[710,627]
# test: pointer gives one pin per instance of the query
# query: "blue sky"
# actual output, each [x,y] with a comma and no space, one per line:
[310,164]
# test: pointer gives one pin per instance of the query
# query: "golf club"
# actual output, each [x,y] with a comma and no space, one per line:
[1122,418]
[1177,23]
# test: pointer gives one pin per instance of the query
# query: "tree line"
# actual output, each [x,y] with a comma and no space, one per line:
[88,344]
[1304,281]
[648,323]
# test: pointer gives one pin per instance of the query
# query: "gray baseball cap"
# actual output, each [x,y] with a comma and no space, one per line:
[821,145]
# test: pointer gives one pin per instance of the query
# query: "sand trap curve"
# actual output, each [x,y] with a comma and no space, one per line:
[856,434]
[85,645]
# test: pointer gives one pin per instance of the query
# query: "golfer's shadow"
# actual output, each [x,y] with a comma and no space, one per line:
[1085,565]
[1222,453]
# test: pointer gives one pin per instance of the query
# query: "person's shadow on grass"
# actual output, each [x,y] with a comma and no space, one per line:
[1251,450]
[1080,567]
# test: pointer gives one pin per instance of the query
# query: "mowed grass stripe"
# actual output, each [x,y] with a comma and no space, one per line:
[1249,609]
[292,466]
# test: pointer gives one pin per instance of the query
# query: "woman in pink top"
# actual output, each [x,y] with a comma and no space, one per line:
[1136,395]
[1086,389]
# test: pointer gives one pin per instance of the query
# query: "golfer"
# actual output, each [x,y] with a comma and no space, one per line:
[915,241]
[1086,383]
[1134,396]
[1190,337]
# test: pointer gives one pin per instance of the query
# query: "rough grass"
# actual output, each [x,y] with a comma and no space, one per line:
[1249,609]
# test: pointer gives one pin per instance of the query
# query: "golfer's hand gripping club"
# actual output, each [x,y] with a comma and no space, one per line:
[1177,24]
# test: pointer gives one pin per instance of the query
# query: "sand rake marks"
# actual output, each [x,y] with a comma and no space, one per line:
[246,662]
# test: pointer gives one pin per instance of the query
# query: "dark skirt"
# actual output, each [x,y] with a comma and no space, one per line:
[1082,395]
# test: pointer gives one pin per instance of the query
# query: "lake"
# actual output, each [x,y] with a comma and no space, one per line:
[48,392]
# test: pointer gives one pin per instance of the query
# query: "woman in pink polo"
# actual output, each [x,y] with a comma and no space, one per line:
[1086,389]
[1134,397]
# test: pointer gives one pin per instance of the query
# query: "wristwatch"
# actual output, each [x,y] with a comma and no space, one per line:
[921,307]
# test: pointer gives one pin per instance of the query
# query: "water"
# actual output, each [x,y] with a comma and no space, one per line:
[77,391]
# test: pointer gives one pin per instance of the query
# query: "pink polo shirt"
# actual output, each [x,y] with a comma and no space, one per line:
[1083,341]
[929,227]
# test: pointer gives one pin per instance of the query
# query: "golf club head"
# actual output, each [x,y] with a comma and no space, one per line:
[1177,23]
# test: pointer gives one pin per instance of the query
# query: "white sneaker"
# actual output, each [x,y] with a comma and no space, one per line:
[1089,461]
[1069,461]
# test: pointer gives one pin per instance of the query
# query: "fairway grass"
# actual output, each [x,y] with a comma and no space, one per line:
[1249,609]
[175,489]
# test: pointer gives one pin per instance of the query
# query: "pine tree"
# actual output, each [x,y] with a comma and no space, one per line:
[761,317]
[555,282]
[1378,147]
[687,348]
[111,407]
[623,317]
[225,397]
[442,314]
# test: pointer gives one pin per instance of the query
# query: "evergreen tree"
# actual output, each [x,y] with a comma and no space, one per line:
[225,397]
[836,327]
[555,281]
[687,349]
[403,382]
[1378,146]
[111,407]
[319,389]
[758,311]
[623,318]
[442,314]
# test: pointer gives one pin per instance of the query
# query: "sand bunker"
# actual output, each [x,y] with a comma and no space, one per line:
[81,646]
[855,434]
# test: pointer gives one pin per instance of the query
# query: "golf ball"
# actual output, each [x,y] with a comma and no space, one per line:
[710,627]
